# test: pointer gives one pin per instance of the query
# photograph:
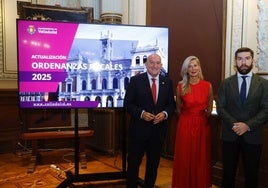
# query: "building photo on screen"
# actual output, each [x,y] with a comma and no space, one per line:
[82,65]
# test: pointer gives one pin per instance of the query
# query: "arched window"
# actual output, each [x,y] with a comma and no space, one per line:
[104,84]
[109,101]
[98,98]
[84,85]
[93,83]
[137,60]
[115,83]
[69,87]
[144,59]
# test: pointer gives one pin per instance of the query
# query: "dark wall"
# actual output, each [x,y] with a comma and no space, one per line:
[196,28]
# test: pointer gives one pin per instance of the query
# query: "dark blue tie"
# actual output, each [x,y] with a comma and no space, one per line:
[243,90]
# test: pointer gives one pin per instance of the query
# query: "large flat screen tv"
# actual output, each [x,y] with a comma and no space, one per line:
[82,65]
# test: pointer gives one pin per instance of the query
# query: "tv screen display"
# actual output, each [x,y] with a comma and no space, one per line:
[82,65]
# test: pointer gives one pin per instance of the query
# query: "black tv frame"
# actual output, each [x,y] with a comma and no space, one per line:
[82,69]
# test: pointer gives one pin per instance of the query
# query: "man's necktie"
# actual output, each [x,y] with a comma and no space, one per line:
[243,89]
[154,90]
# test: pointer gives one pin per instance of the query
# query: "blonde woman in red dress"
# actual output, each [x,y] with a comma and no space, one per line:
[194,99]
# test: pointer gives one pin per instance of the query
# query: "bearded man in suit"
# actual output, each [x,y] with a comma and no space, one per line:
[149,118]
[242,119]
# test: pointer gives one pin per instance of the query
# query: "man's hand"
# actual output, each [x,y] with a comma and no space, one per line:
[240,128]
[159,117]
[148,116]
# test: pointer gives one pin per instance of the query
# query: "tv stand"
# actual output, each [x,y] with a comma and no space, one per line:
[76,177]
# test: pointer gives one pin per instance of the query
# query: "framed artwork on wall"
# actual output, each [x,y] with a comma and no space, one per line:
[26,10]
[262,38]
[247,25]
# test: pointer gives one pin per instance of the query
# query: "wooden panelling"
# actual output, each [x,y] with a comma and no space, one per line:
[195,28]
[46,119]
[108,131]
[10,128]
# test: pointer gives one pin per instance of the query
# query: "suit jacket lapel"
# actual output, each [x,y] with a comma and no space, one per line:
[253,85]
[147,86]
[235,87]
[162,83]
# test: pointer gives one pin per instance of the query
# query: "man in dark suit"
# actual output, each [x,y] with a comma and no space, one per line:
[242,119]
[149,118]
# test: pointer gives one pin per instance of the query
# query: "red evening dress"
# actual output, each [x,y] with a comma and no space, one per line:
[191,166]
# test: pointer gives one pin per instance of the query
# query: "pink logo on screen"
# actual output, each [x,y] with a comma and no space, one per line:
[31,29]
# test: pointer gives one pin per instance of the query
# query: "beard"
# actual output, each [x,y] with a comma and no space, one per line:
[244,69]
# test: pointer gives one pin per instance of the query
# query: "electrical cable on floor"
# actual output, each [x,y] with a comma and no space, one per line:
[71,164]
[107,164]
[23,151]
[26,150]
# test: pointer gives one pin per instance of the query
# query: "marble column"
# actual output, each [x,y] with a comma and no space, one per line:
[111,11]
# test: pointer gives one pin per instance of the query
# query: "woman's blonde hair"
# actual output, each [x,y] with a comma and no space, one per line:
[185,76]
